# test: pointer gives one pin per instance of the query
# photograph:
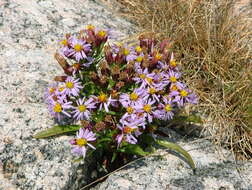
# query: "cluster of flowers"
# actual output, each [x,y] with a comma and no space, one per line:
[115,87]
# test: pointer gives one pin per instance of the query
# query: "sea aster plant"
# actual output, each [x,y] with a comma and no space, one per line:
[115,93]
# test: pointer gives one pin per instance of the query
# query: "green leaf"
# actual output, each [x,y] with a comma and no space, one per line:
[113,157]
[98,116]
[179,149]
[188,118]
[57,130]
[148,139]
[106,139]
[194,119]
[78,159]
[111,83]
[111,113]
[135,149]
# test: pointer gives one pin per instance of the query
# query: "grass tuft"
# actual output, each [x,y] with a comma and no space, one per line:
[212,39]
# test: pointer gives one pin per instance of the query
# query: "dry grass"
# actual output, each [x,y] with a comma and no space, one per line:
[213,42]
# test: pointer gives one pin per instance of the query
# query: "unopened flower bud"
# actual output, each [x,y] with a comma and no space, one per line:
[103,79]
[61,60]
[108,119]
[100,126]
[119,85]
[123,76]
[115,70]
[60,78]
[93,75]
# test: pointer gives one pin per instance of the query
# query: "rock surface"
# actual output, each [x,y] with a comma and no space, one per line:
[29,33]
[215,171]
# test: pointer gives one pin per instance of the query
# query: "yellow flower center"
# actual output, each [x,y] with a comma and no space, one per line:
[51,90]
[147,108]
[133,96]
[61,89]
[168,107]
[149,80]
[126,51]
[142,76]
[81,142]
[57,108]
[64,42]
[174,88]
[173,79]
[76,65]
[138,49]
[69,85]
[102,33]
[158,56]
[77,47]
[130,110]
[152,91]
[90,27]
[102,97]
[173,63]
[139,59]
[183,93]
[82,108]
[127,130]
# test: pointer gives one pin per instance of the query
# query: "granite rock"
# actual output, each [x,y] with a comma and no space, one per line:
[29,32]
[216,170]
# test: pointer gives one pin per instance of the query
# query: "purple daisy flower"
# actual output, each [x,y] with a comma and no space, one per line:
[65,50]
[104,101]
[147,108]
[83,137]
[142,74]
[173,78]
[152,93]
[166,110]
[72,86]
[79,49]
[184,96]
[144,77]
[173,64]
[50,92]
[129,130]
[130,99]
[137,119]
[160,80]
[59,108]
[129,53]
[130,110]
[82,112]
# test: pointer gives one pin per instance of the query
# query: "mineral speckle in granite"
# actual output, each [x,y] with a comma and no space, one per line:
[29,33]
